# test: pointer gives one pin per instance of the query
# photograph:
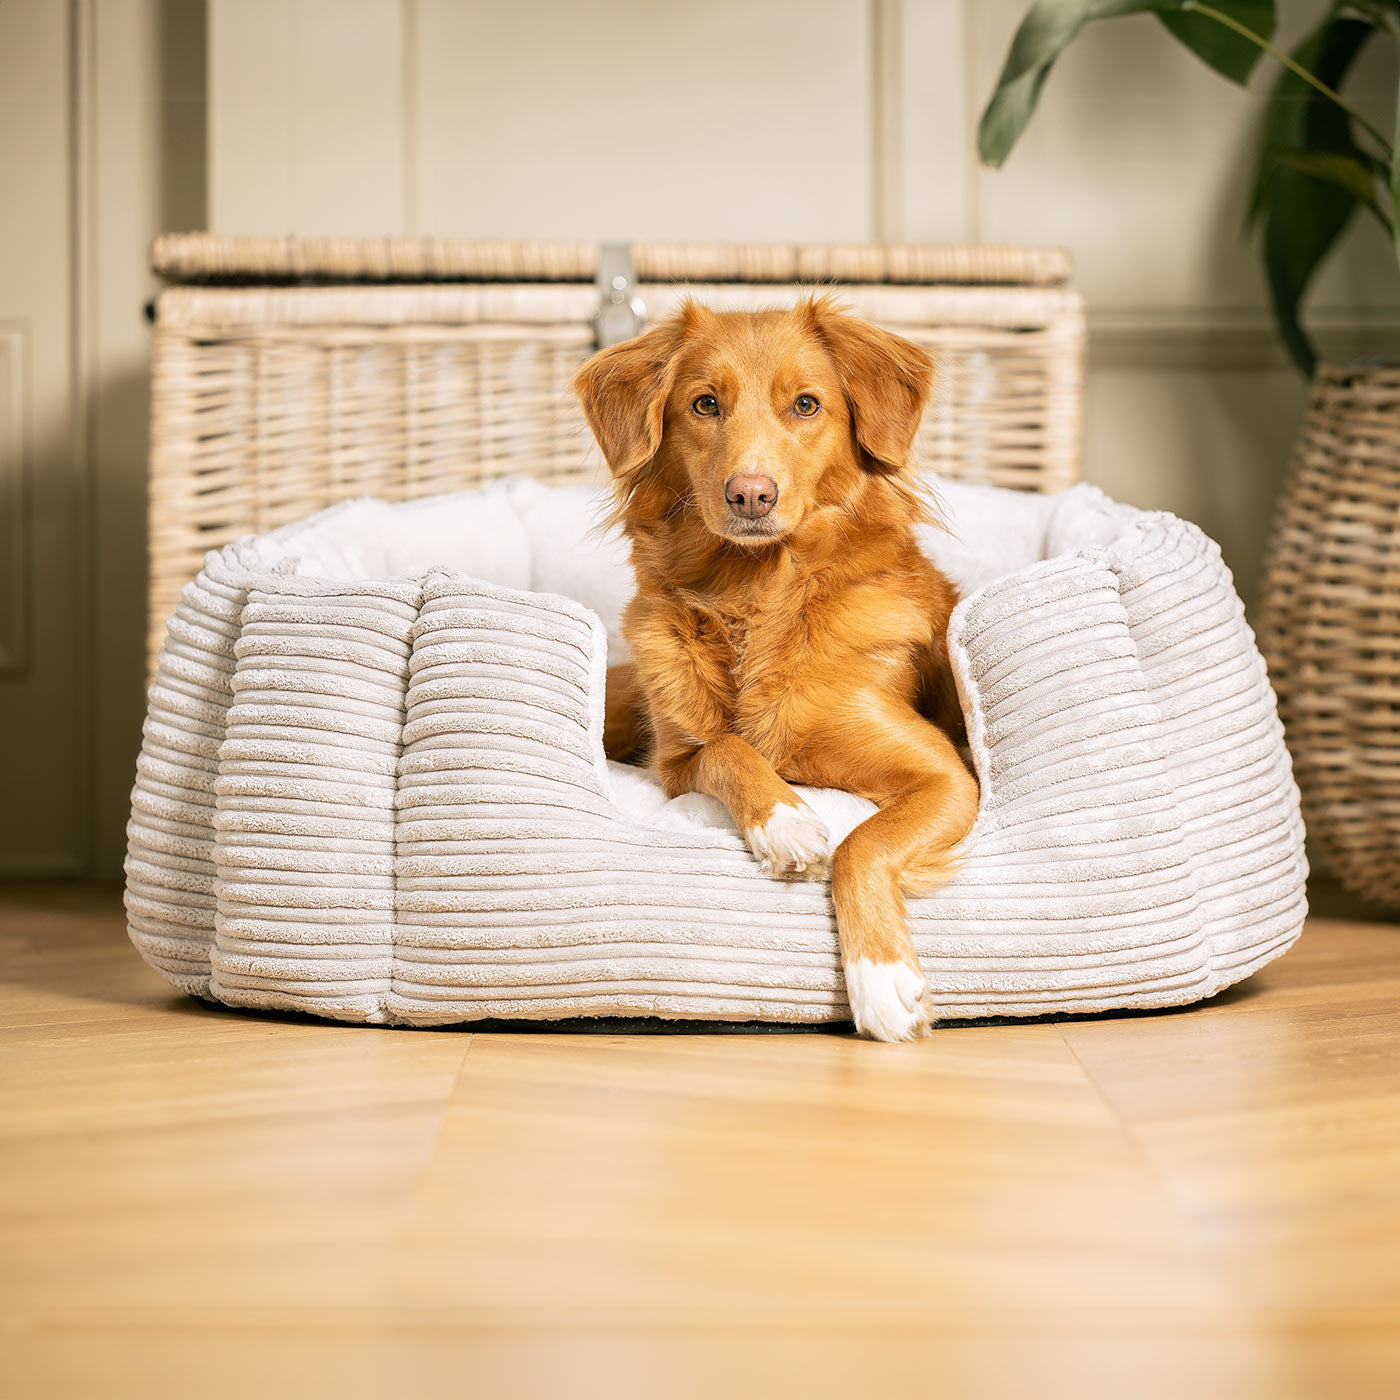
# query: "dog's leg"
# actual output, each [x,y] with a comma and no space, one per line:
[928,802]
[626,734]
[786,836]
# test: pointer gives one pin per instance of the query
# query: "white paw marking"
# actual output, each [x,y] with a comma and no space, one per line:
[793,844]
[889,1001]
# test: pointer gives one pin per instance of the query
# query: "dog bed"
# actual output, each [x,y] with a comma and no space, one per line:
[372,784]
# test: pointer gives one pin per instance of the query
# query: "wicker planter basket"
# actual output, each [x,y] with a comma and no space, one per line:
[291,374]
[1330,625]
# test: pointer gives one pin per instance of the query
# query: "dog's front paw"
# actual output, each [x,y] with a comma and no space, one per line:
[889,1001]
[793,844]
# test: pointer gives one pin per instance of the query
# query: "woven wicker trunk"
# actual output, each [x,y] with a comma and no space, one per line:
[1330,624]
[291,374]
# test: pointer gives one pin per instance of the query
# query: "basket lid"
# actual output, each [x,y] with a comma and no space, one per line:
[216,258]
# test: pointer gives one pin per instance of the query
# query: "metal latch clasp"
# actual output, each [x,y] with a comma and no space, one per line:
[621,312]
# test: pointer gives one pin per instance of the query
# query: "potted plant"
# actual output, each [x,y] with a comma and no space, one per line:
[1330,617]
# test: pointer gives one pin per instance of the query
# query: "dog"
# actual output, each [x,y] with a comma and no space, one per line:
[786,627]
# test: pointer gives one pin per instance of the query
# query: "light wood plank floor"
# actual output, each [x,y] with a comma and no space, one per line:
[203,1203]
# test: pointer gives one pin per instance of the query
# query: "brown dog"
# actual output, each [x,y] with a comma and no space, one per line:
[786,626]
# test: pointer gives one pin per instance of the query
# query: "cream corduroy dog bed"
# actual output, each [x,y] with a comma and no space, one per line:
[372,784]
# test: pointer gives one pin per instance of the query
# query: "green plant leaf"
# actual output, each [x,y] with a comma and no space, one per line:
[1050,25]
[1358,177]
[1384,14]
[1300,118]
[1299,214]
[1292,248]
[1221,47]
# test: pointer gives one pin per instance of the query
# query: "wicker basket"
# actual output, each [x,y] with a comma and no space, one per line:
[1330,624]
[289,374]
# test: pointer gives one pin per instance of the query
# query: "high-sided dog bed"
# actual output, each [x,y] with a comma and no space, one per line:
[372,785]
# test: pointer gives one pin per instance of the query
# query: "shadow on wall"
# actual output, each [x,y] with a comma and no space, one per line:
[119,414]
[183,133]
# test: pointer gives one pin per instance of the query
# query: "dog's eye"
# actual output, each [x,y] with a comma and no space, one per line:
[706,405]
[805,406]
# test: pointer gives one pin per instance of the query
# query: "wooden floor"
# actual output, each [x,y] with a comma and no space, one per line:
[202,1203]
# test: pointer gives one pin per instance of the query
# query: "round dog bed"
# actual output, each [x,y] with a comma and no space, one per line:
[372,784]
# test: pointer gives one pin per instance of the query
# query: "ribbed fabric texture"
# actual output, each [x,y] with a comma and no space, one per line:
[386,800]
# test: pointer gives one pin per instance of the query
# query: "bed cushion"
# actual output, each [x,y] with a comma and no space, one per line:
[372,784]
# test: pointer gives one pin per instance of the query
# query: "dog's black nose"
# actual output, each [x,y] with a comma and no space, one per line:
[751,496]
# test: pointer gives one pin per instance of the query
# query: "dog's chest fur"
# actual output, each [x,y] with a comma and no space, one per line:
[713,669]
[786,655]
[761,676]
[755,650]
[756,653]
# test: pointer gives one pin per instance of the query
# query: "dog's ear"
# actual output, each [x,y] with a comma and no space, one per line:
[887,380]
[623,391]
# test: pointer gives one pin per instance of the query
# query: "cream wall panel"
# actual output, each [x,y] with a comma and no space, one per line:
[106,139]
[638,119]
[147,174]
[1210,445]
[923,144]
[306,117]
[44,733]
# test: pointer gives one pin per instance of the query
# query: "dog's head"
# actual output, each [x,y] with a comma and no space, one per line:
[754,422]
